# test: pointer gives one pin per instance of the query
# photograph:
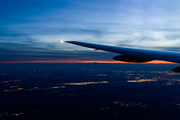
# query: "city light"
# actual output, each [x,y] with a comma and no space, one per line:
[85,83]
[142,80]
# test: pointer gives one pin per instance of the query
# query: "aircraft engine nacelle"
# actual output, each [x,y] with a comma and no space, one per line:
[127,58]
[176,69]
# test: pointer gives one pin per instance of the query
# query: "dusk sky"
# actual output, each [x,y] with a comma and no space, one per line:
[31,30]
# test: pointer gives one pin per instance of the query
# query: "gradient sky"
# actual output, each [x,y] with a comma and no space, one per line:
[30,30]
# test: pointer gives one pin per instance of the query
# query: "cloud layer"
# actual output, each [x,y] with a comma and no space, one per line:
[31,29]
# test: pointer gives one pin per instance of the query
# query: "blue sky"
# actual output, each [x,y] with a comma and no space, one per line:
[31,29]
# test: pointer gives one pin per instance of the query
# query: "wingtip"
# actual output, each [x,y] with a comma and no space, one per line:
[69,41]
[62,41]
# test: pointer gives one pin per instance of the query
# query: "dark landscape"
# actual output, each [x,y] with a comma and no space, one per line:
[89,91]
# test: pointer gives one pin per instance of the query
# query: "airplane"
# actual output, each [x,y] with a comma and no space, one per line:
[133,54]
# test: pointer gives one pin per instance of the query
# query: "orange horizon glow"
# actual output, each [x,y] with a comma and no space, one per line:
[80,61]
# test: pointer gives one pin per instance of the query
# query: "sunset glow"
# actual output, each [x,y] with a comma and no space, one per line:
[79,61]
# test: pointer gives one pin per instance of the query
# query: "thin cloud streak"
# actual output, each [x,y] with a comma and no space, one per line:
[31,30]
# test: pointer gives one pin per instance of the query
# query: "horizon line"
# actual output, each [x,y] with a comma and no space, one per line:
[81,61]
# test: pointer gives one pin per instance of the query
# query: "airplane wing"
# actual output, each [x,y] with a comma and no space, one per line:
[133,54]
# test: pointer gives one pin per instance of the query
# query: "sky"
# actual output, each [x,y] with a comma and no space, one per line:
[31,30]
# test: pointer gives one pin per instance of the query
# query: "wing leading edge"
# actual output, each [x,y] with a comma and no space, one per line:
[133,54]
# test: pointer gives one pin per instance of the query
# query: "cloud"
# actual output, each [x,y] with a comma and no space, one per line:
[31,30]
[32,52]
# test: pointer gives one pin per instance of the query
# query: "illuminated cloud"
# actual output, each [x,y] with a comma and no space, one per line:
[31,30]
